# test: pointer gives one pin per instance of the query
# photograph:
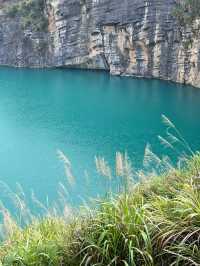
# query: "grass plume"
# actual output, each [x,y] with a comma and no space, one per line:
[152,223]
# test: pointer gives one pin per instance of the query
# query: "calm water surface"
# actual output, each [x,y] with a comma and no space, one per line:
[83,114]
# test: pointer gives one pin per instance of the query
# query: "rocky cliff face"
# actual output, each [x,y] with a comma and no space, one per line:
[126,37]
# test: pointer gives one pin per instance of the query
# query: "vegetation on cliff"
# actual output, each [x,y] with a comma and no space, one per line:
[31,14]
[187,11]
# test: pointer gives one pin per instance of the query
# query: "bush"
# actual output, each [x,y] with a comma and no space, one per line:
[31,14]
[187,11]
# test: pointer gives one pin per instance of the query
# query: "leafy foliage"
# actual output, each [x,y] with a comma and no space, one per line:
[31,14]
[187,11]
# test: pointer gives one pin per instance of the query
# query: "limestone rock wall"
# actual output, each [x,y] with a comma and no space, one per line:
[126,37]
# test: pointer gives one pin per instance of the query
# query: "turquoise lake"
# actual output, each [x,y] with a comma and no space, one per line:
[83,113]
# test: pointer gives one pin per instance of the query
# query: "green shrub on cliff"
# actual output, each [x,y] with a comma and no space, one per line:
[31,14]
[187,11]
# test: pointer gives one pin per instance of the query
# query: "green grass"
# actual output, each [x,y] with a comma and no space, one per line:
[157,222]
[154,222]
